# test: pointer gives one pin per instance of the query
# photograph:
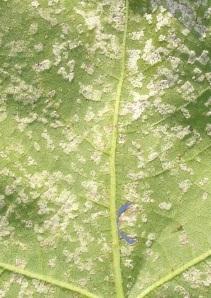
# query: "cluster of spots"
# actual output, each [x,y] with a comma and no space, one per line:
[194,282]
[164,138]
[60,66]
[197,278]
[25,288]
[59,61]
[11,284]
[188,13]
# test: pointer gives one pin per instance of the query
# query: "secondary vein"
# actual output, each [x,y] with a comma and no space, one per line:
[48,279]
[113,183]
[175,273]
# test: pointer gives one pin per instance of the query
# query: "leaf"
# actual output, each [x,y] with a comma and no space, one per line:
[105,148]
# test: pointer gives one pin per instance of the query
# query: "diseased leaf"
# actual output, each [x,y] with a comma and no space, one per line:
[105,132]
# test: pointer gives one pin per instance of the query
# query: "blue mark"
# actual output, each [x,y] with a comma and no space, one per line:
[128,239]
[122,234]
[123,208]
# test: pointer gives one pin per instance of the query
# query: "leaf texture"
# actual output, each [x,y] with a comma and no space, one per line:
[105,183]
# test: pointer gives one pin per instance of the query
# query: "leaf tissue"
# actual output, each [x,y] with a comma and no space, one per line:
[105,137]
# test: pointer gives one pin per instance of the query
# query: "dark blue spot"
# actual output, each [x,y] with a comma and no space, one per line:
[128,239]
[123,208]
[123,235]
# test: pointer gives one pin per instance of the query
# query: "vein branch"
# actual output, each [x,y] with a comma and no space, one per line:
[175,273]
[113,183]
[47,279]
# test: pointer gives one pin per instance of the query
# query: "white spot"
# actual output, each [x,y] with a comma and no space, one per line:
[165,205]
[183,238]
[90,93]
[137,106]
[208,129]
[38,47]
[134,56]
[35,3]
[136,35]
[43,65]
[185,185]
[204,58]
[162,20]
[70,74]
[150,54]
[148,17]
[33,28]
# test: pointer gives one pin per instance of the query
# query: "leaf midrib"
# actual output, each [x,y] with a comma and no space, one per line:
[113,184]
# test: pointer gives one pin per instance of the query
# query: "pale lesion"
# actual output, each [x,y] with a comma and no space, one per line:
[194,15]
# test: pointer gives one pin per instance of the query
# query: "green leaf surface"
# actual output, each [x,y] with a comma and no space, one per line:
[105,105]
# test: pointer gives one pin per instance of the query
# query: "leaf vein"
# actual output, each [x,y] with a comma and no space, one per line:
[47,279]
[175,273]
[113,208]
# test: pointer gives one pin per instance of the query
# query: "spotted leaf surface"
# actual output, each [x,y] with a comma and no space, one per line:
[105,133]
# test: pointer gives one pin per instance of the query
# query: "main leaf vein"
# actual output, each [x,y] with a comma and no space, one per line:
[113,183]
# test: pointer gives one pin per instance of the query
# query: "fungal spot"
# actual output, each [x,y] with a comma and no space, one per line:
[42,66]
[185,185]
[67,75]
[208,129]
[165,206]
